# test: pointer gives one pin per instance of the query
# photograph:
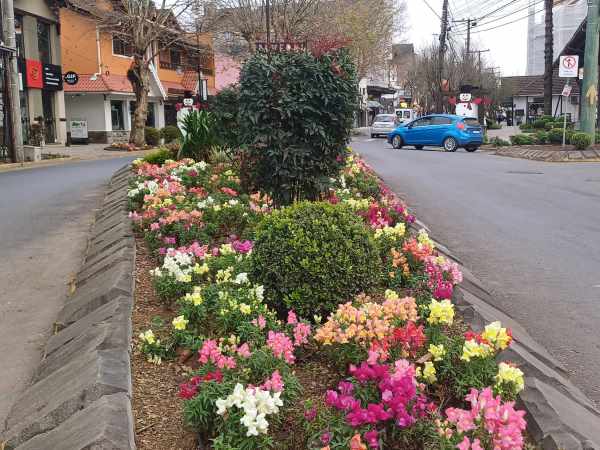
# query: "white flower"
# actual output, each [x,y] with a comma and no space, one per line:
[222,405]
[241,278]
[259,292]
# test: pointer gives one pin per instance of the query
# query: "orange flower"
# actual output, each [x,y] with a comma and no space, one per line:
[356,443]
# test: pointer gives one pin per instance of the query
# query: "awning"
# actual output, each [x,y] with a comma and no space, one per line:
[372,104]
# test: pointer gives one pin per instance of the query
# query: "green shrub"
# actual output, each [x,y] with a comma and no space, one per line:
[296,114]
[550,124]
[170,133]
[313,256]
[581,141]
[547,118]
[225,106]
[491,125]
[525,126]
[541,137]
[152,136]
[597,136]
[158,156]
[539,124]
[522,139]
[555,136]
[199,129]
[499,142]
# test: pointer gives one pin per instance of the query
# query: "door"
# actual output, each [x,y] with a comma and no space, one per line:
[48,111]
[415,133]
[439,128]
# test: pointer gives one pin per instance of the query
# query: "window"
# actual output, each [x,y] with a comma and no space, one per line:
[116,115]
[175,57]
[426,121]
[471,122]
[43,35]
[120,47]
[19,36]
[150,121]
[439,120]
[407,114]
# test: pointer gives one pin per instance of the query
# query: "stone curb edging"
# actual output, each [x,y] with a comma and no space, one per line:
[559,415]
[550,155]
[80,396]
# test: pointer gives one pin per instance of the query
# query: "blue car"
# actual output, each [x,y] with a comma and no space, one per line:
[439,130]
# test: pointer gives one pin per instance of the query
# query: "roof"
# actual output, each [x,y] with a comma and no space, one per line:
[101,83]
[533,85]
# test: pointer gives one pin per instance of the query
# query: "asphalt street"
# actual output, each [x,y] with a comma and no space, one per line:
[529,230]
[45,217]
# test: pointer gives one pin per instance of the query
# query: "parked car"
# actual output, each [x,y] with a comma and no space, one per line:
[383,124]
[405,115]
[439,130]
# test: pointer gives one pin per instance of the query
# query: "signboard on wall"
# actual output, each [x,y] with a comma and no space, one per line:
[33,74]
[52,77]
[78,129]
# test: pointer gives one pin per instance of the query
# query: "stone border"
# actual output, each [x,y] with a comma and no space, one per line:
[549,155]
[559,415]
[80,396]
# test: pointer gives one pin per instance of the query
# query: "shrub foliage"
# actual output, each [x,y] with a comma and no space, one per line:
[581,141]
[296,115]
[152,136]
[312,256]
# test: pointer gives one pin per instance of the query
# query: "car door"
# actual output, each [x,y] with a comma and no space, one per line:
[415,132]
[440,125]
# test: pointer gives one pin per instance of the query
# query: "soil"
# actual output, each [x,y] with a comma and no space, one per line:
[157,410]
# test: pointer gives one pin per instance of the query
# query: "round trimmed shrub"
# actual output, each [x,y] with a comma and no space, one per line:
[170,133]
[581,141]
[522,139]
[158,156]
[312,256]
[539,124]
[541,137]
[152,136]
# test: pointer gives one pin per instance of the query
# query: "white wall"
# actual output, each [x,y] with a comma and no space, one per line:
[88,107]
[521,103]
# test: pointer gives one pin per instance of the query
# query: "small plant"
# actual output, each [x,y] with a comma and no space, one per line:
[199,136]
[541,137]
[581,141]
[158,156]
[152,136]
[170,133]
[499,142]
[539,124]
[313,256]
[525,126]
[521,139]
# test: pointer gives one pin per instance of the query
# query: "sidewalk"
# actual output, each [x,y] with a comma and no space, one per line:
[504,132]
[73,153]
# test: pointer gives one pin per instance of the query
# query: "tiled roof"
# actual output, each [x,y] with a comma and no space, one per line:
[533,85]
[100,83]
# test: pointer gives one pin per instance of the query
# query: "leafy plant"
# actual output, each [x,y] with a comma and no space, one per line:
[581,141]
[170,133]
[499,142]
[539,124]
[313,256]
[521,139]
[152,136]
[555,135]
[541,137]
[199,130]
[296,114]
[158,156]
[225,107]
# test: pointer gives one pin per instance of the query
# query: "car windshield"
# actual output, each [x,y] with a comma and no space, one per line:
[407,114]
[471,121]
[384,118]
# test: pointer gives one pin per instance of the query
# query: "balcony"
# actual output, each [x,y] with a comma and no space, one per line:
[167,65]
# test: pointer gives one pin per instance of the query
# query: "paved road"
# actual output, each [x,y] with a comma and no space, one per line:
[529,230]
[45,217]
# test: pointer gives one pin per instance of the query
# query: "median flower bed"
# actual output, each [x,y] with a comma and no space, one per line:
[322,325]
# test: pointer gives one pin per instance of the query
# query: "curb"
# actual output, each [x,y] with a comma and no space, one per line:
[559,415]
[80,396]
[550,155]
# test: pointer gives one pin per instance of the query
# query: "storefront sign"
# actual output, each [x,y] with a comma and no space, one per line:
[71,78]
[33,74]
[79,129]
[566,90]
[52,77]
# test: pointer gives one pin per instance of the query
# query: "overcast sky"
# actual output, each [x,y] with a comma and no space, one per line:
[507,44]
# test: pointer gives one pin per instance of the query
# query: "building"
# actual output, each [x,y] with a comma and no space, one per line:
[525,102]
[103,97]
[566,17]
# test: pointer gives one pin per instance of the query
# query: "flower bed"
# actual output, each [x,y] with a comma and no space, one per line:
[390,368]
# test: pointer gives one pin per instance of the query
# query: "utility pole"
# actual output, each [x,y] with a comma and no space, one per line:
[481,111]
[268,23]
[470,24]
[14,105]
[441,54]
[199,65]
[590,71]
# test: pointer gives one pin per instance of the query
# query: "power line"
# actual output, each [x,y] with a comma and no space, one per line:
[488,14]
[504,24]
[432,10]
[503,17]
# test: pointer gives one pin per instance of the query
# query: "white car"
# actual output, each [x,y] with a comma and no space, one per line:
[383,124]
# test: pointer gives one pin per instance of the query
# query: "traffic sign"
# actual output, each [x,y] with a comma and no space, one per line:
[569,66]
[566,90]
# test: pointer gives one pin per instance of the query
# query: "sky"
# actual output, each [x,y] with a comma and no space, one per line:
[507,44]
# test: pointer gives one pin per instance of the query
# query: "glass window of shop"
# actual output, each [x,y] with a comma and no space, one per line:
[19,36]
[43,35]
[116,114]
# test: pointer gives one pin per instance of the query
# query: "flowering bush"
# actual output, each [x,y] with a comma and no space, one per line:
[378,297]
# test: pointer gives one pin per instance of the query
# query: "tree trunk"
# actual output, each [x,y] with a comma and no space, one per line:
[140,81]
[548,56]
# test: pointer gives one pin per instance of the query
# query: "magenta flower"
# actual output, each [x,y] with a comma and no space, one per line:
[310,414]
[301,333]
[372,438]
[326,438]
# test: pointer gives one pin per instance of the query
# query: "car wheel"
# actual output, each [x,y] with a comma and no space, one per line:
[419,147]
[471,149]
[450,144]
[397,142]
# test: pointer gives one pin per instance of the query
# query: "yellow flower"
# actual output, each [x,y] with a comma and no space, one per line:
[472,349]
[194,298]
[245,309]
[391,295]
[437,351]
[201,269]
[395,232]
[429,372]
[510,374]
[441,312]
[424,239]
[148,337]
[496,335]
[180,323]
[226,249]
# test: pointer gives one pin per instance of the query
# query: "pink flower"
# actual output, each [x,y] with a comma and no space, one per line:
[260,322]
[244,350]
[281,346]
[154,226]
[372,439]
[210,352]
[310,414]
[187,391]
[275,383]
[326,438]
[291,318]
[301,333]
[229,191]
[242,246]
